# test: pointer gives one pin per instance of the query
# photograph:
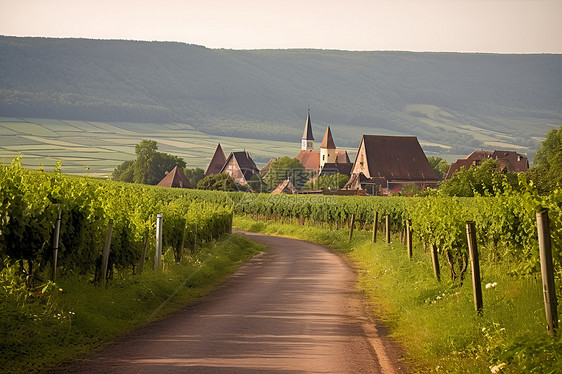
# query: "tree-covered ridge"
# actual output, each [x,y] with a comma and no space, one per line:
[461,101]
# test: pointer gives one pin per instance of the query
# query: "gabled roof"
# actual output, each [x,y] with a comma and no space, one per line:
[328,141]
[265,169]
[396,158]
[176,178]
[308,129]
[244,162]
[509,160]
[284,187]
[217,161]
[310,159]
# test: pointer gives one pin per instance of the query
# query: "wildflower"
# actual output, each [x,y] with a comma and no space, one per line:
[498,368]
[39,292]
[60,289]
[491,285]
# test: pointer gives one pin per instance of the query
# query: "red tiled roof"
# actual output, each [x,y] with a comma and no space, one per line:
[217,161]
[311,159]
[509,160]
[396,158]
[328,141]
[176,178]
[284,187]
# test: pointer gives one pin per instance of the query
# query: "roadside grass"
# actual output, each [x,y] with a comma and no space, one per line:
[56,323]
[436,322]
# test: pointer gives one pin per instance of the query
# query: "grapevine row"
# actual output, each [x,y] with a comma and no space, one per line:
[30,202]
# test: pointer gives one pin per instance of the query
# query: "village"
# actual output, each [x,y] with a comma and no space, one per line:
[383,164]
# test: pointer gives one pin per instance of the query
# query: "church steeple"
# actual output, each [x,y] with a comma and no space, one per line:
[307,143]
[327,149]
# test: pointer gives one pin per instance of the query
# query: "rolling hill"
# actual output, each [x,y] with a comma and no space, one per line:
[453,102]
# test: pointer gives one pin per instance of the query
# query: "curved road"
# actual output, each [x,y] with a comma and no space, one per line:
[291,309]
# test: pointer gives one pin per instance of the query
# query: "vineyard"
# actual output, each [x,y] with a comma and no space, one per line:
[506,224]
[32,201]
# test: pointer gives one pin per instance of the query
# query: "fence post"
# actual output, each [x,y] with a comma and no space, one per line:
[56,237]
[435,261]
[158,251]
[105,256]
[547,272]
[375,224]
[351,228]
[195,240]
[144,249]
[475,266]
[387,228]
[409,237]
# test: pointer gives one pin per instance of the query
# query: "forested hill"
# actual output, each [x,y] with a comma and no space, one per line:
[461,101]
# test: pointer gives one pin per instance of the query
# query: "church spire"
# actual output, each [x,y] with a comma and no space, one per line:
[328,141]
[307,138]
[327,149]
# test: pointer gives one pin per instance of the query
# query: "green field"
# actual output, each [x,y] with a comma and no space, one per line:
[96,148]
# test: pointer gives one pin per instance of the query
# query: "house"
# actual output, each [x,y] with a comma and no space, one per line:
[315,160]
[386,163]
[176,178]
[285,187]
[265,169]
[217,162]
[507,160]
[240,166]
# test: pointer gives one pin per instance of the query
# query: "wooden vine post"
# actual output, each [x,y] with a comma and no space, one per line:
[56,237]
[435,260]
[158,251]
[105,256]
[351,228]
[375,224]
[547,273]
[475,266]
[409,238]
[144,249]
[387,228]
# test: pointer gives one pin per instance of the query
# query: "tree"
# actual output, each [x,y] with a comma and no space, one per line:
[327,182]
[194,175]
[149,167]
[257,184]
[484,179]
[546,172]
[286,168]
[145,152]
[439,166]
[123,172]
[217,182]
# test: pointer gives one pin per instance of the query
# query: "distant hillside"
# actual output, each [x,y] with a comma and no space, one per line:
[453,102]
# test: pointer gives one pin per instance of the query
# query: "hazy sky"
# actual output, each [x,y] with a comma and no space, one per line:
[503,26]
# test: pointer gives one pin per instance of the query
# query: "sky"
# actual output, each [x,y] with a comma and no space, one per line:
[490,26]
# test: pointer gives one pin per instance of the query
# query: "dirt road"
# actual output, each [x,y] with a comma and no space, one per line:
[292,309]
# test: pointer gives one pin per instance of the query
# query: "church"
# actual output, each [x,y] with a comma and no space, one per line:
[328,159]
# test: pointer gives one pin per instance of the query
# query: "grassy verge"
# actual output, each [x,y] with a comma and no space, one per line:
[58,322]
[436,321]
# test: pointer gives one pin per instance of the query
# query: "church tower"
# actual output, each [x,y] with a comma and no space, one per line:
[307,143]
[327,149]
